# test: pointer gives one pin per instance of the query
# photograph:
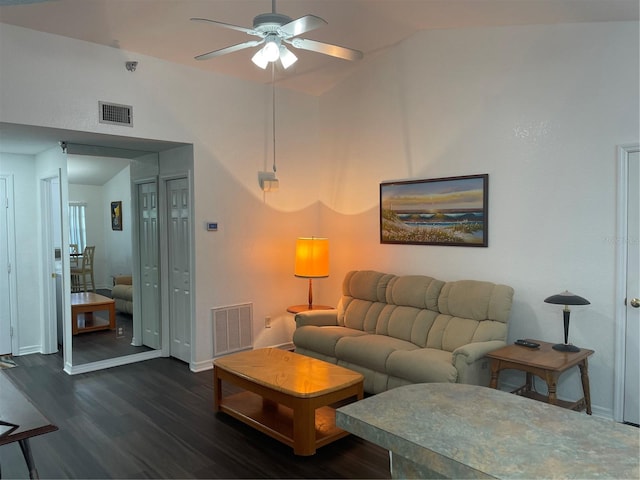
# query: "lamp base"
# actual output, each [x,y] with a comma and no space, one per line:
[565,347]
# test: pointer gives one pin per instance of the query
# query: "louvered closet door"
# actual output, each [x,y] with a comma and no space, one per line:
[179,244]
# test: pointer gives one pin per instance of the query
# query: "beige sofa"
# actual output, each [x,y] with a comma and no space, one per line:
[122,293]
[398,330]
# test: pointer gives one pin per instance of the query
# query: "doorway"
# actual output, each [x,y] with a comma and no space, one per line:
[627,389]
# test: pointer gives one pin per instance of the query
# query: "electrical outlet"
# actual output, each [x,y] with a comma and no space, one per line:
[267,322]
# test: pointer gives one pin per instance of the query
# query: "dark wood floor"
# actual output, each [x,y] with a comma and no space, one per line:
[104,344]
[154,419]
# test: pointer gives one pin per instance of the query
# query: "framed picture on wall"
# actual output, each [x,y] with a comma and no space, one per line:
[450,211]
[116,215]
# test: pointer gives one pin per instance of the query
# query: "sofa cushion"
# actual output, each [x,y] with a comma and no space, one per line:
[422,365]
[370,351]
[362,314]
[476,300]
[414,291]
[367,289]
[123,292]
[366,284]
[406,323]
[322,339]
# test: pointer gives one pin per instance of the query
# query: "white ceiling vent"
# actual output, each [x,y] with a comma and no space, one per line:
[115,114]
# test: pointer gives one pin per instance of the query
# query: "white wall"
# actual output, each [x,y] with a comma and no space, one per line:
[27,269]
[541,110]
[250,258]
[117,256]
[113,247]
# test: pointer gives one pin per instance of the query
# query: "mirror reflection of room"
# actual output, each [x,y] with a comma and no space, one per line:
[100,258]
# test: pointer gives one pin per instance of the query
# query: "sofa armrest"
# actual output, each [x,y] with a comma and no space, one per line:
[319,318]
[472,365]
[472,352]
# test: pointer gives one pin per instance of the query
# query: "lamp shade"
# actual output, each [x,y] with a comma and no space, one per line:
[567,298]
[312,257]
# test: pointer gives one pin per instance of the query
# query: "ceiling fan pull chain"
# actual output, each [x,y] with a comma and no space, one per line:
[273,110]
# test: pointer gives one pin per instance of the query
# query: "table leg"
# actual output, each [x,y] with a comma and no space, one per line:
[74,321]
[217,390]
[495,372]
[528,382]
[584,376]
[552,386]
[112,316]
[26,451]
[304,428]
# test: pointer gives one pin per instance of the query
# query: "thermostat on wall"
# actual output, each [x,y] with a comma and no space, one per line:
[212,226]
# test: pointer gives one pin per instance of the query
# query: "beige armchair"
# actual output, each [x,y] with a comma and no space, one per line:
[122,293]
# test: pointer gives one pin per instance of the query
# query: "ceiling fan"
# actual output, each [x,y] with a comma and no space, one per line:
[275,30]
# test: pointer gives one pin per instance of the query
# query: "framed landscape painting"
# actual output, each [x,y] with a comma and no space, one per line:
[449,211]
[116,215]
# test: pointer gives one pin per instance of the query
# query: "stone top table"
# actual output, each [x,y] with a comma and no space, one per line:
[443,430]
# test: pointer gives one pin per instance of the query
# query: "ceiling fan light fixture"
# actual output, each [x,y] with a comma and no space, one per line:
[259,59]
[271,50]
[287,57]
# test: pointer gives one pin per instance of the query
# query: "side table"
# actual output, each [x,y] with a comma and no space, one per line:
[546,363]
[303,308]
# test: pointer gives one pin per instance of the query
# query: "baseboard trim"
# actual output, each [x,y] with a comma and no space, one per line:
[112,362]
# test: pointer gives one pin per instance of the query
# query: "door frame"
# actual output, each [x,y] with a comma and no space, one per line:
[11,254]
[49,322]
[620,314]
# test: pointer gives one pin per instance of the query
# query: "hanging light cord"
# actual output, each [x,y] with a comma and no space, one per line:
[273,111]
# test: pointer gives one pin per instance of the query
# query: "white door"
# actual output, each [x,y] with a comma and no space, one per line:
[179,238]
[5,270]
[149,269]
[52,245]
[632,337]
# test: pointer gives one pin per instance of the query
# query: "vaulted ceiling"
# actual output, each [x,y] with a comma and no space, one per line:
[162,29]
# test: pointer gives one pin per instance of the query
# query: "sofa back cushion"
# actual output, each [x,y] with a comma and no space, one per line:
[471,311]
[363,298]
[423,310]
[401,307]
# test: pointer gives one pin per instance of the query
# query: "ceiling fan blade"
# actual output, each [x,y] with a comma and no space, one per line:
[302,25]
[226,25]
[327,49]
[231,49]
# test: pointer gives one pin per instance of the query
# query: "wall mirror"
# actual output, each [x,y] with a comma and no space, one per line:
[111,197]
[128,244]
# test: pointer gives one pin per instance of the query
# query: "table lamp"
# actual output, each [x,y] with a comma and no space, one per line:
[312,260]
[566,298]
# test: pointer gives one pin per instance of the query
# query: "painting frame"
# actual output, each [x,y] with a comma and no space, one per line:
[448,211]
[116,215]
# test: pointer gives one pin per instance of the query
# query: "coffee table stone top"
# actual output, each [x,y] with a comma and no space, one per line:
[291,373]
[462,431]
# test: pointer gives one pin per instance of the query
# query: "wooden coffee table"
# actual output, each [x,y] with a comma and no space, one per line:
[87,303]
[286,395]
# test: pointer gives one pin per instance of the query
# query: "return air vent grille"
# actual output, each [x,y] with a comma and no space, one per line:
[232,328]
[115,114]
